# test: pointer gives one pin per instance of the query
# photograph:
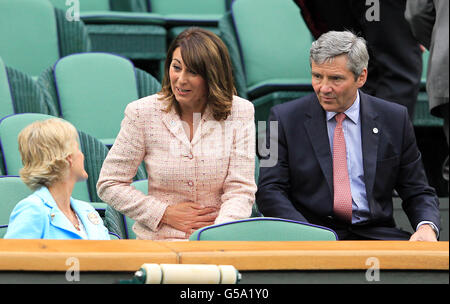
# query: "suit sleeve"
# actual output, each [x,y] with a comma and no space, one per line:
[421,16]
[274,183]
[420,202]
[119,168]
[239,186]
[27,221]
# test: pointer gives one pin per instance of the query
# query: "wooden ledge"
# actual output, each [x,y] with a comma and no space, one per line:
[129,255]
[54,255]
[326,255]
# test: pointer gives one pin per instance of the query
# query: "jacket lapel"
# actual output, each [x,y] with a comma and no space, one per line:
[201,131]
[316,128]
[173,123]
[57,218]
[370,133]
[89,218]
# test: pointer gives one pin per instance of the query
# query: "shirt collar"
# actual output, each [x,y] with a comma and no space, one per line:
[352,112]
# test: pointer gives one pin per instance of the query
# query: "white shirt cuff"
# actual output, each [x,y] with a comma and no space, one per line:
[436,230]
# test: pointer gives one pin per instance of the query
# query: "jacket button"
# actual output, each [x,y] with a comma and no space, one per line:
[190,183]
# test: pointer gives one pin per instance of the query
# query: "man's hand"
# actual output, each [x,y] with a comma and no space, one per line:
[189,216]
[424,233]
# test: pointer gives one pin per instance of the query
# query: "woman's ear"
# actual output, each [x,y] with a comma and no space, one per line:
[70,160]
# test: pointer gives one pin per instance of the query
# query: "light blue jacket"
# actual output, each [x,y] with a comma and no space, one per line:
[38,217]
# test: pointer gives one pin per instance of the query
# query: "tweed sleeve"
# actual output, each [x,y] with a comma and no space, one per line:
[239,186]
[119,168]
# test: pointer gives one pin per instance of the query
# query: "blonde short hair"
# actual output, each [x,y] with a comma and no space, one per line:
[44,147]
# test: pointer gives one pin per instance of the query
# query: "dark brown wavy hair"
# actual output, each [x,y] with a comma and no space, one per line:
[204,53]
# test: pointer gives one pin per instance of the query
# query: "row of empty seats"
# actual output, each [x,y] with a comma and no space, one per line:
[267,39]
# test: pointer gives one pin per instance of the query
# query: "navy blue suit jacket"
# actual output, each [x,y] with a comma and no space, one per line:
[300,185]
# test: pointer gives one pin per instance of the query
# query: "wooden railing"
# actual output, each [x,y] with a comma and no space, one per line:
[129,255]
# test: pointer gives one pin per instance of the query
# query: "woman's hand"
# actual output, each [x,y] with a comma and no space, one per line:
[189,216]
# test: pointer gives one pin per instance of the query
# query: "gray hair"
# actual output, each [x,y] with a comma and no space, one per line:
[333,43]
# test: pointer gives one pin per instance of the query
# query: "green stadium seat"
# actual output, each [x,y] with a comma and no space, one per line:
[91,90]
[274,45]
[10,127]
[33,35]
[6,100]
[20,94]
[188,13]
[255,211]
[121,224]
[422,116]
[12,191]
[228,35]
[94,152]
[181,14]
[264,229]
[124,28]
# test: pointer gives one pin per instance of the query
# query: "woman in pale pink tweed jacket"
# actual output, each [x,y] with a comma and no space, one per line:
[197,141]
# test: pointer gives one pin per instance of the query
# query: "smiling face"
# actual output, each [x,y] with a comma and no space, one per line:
[188,87]
[335,85]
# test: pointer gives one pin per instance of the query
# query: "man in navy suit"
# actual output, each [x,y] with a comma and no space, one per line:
[380,148]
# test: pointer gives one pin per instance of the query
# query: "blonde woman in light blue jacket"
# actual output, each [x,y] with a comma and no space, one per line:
[53,163]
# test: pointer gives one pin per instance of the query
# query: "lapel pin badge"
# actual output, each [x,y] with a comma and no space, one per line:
[94,218]
[375,130]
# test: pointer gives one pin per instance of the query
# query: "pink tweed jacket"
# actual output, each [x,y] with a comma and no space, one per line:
[215,169]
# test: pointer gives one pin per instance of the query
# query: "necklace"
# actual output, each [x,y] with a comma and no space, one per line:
[76,221]
[77,224]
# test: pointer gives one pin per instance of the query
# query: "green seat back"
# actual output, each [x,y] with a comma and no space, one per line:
[19,93]
[6,102]
[94,154]
[197,7]
[255,211]
[425,57]
[122,224]
[28,35]
[141,185]
[12,191]
[10,128]
[85,5]
[93,91]
[263,229]
[274,42]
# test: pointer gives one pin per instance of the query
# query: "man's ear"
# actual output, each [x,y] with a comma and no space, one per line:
[362,78]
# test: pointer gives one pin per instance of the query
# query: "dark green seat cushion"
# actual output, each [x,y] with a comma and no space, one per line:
[192,12]
[197,7]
